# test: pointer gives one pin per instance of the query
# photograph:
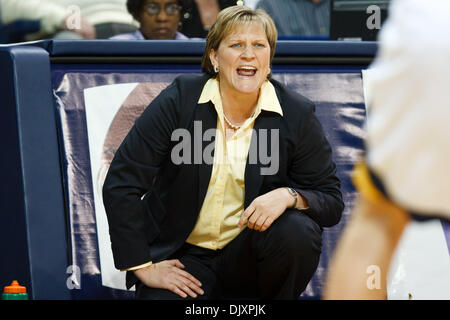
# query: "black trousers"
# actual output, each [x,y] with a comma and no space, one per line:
[275,264]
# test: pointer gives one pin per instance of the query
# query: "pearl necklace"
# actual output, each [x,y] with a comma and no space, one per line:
[232,126]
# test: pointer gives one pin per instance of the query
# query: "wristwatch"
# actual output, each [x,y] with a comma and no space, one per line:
[295,195]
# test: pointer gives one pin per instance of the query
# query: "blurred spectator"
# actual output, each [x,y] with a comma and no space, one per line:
[50,16]
[251,3]
[77,19]
[15,31]
[158,19]
[201,14]
[302,18]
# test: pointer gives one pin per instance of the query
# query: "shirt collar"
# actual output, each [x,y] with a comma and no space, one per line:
[267,100]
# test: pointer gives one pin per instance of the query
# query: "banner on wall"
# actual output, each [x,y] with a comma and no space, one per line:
[96,111]
[110,114]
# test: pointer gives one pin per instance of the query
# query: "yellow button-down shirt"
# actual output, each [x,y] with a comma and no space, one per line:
[223,205]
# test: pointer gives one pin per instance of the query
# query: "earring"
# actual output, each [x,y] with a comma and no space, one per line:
[216,69]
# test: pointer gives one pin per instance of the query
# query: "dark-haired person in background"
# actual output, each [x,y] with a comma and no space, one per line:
[158,19]
[201,14]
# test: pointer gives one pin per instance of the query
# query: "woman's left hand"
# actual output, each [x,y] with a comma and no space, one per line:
[265,209]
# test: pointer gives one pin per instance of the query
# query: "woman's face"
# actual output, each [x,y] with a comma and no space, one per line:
[159,19]
[243,58]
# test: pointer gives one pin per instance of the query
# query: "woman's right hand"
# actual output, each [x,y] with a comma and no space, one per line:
[168,274]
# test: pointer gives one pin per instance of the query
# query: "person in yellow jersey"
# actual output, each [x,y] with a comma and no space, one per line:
[224,184]
[405,174]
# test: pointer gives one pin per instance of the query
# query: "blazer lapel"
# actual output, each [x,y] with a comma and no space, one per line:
[205,115]
[253,177]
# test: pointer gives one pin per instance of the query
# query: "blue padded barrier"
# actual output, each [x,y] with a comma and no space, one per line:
[33,222]
[57,48]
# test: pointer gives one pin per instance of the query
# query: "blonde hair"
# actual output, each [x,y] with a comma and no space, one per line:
[227,20]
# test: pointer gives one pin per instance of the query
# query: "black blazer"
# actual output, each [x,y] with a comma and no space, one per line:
[152,204]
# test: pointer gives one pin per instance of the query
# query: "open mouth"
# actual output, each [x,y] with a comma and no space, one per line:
[162,31]
[246,71]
